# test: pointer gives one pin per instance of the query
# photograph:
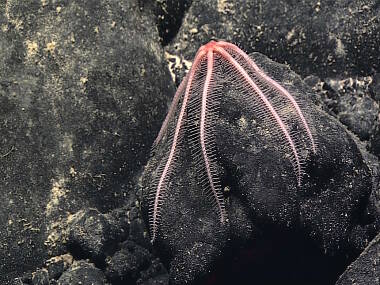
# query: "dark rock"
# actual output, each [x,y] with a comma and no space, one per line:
[350,100]
[138,232]
[17,281]
[374,199]
[27,278]
[125,265]
[84,273]
[55,269]
[119,221]
[365,270]
[325,37]
[360,116]
[89,233]
[195,262]
[41,277]
[354,105]
[94,235]
[50,273]
[375,87]
[156,274]
[169,15]
[374,141]
[369,221]
[83,89]
[318,222]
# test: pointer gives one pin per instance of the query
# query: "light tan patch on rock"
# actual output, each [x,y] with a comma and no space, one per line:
[31,48]
[243,124]
[57,230]
[225,7]
[17,23]
[66,258]
[176,62]
[51,46]
[57,192]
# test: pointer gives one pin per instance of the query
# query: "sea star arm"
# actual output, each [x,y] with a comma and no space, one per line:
[171,112]
[281,90]
[216,192]
[256,90]
[157,195]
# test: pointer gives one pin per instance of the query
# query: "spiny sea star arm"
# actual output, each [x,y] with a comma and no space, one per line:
[266,102]
[202,132]
[273,83]
[172,109]
[161,182]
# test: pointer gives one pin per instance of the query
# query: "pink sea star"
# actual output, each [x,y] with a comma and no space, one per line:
[215,64]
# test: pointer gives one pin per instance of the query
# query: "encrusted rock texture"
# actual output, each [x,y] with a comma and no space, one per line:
[84,89]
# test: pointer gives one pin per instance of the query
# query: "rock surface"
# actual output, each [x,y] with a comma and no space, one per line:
[366,268]
[335,38]
[352,102]
[76,122]
[82,272]
[134,264]
[169,15]
[263,198]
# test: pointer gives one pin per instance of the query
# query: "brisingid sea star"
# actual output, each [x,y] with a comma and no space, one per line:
[214,65]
